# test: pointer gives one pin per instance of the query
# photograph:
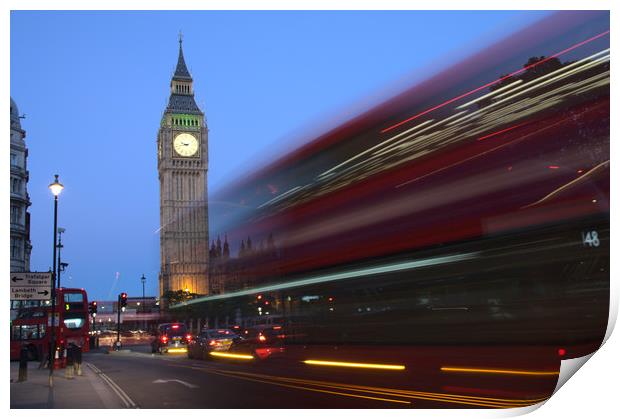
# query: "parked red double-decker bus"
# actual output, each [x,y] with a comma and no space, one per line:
[31,326]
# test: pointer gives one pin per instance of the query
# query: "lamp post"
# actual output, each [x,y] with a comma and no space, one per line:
[56,188]
[143,280]
[60,246]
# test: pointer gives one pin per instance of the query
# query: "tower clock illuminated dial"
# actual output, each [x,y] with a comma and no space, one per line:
[185,144]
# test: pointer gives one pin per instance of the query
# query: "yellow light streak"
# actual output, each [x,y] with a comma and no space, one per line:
[354,364]
[411,394]
[177,350]
[227,355]
[314,389]
[496,371]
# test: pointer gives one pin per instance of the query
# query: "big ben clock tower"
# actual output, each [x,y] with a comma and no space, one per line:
[182,162]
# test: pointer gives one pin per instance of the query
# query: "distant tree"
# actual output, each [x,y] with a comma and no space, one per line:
[178,296]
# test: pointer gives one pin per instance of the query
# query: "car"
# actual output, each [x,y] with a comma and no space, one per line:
[171,338]
[211,340]
[261,342]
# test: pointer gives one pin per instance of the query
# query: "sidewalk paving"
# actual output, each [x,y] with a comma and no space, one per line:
[88,391]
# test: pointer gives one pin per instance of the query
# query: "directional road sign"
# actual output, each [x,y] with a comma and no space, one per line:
[31,285]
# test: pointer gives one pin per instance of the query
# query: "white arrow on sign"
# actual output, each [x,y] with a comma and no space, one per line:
[188,385]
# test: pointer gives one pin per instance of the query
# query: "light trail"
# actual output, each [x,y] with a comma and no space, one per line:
[394,267]
[514,73]
[354,365]
[337,393]
[230,355]
[497,371]
[177,350]
[502,131]
[488,95]
[411,394]
[572,182]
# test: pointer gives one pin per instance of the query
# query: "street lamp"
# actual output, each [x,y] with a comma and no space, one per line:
[143,280]
[56,187]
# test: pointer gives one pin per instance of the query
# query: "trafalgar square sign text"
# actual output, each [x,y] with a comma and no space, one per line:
[31,285]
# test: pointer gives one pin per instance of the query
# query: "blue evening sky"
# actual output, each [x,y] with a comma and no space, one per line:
[93,86]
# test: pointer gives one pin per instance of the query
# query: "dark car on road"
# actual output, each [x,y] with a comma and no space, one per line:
[171,338]
[211,340]
[261,342]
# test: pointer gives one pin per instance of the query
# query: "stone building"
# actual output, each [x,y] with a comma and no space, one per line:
[20,201]
[182,149]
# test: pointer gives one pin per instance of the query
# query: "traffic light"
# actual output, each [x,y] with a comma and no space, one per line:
[92,308]
[123,300]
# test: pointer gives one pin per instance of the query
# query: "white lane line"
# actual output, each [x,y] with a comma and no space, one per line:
[119,391]
[188,385]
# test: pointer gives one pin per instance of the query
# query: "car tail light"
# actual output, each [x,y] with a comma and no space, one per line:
[175,326]
[262,338]
[212,343]
[188,337]
[164,339]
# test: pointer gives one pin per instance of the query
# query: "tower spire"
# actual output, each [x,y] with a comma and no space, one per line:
[181,72]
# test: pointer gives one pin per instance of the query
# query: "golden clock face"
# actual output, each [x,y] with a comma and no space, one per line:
[185,144]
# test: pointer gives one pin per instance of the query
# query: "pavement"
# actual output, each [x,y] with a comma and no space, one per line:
[92,390]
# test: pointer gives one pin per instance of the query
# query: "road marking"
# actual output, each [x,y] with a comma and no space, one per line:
[188,385]
[314,389]
[440,397]
[119,391]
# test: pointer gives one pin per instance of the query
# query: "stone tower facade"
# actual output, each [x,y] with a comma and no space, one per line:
[20,201]
[182,162]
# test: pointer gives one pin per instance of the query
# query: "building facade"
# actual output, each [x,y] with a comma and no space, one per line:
[20,201]
[182,149]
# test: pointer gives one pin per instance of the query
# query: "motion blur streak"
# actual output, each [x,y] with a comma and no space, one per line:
[420,395]
[495,81]
[605,164]
[227,355]
[494,371]
[421,247]
[232,374]
[488,95]
[353,364]
[177,350]
[501,132]
[334,277]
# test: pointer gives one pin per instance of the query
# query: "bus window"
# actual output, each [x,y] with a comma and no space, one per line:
[28,332]
[74,300]
[74,321]
[16,335]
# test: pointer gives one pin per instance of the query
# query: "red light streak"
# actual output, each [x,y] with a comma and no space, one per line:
[554,167]
[502,131]
[557,54]
[561,352]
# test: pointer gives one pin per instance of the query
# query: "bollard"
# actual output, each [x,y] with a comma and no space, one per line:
[23,364]
[77,361]
[70,361]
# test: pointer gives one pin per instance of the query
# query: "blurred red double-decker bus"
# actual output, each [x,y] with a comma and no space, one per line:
[32,324]
[456,230]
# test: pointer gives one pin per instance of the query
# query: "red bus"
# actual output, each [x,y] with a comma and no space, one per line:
[31,326]
[456,230]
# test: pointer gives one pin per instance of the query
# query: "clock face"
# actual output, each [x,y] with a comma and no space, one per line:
[185,144]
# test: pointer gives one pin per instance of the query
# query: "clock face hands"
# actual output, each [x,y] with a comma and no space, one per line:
[185,144]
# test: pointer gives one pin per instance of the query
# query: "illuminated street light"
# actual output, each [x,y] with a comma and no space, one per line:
[56,187]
